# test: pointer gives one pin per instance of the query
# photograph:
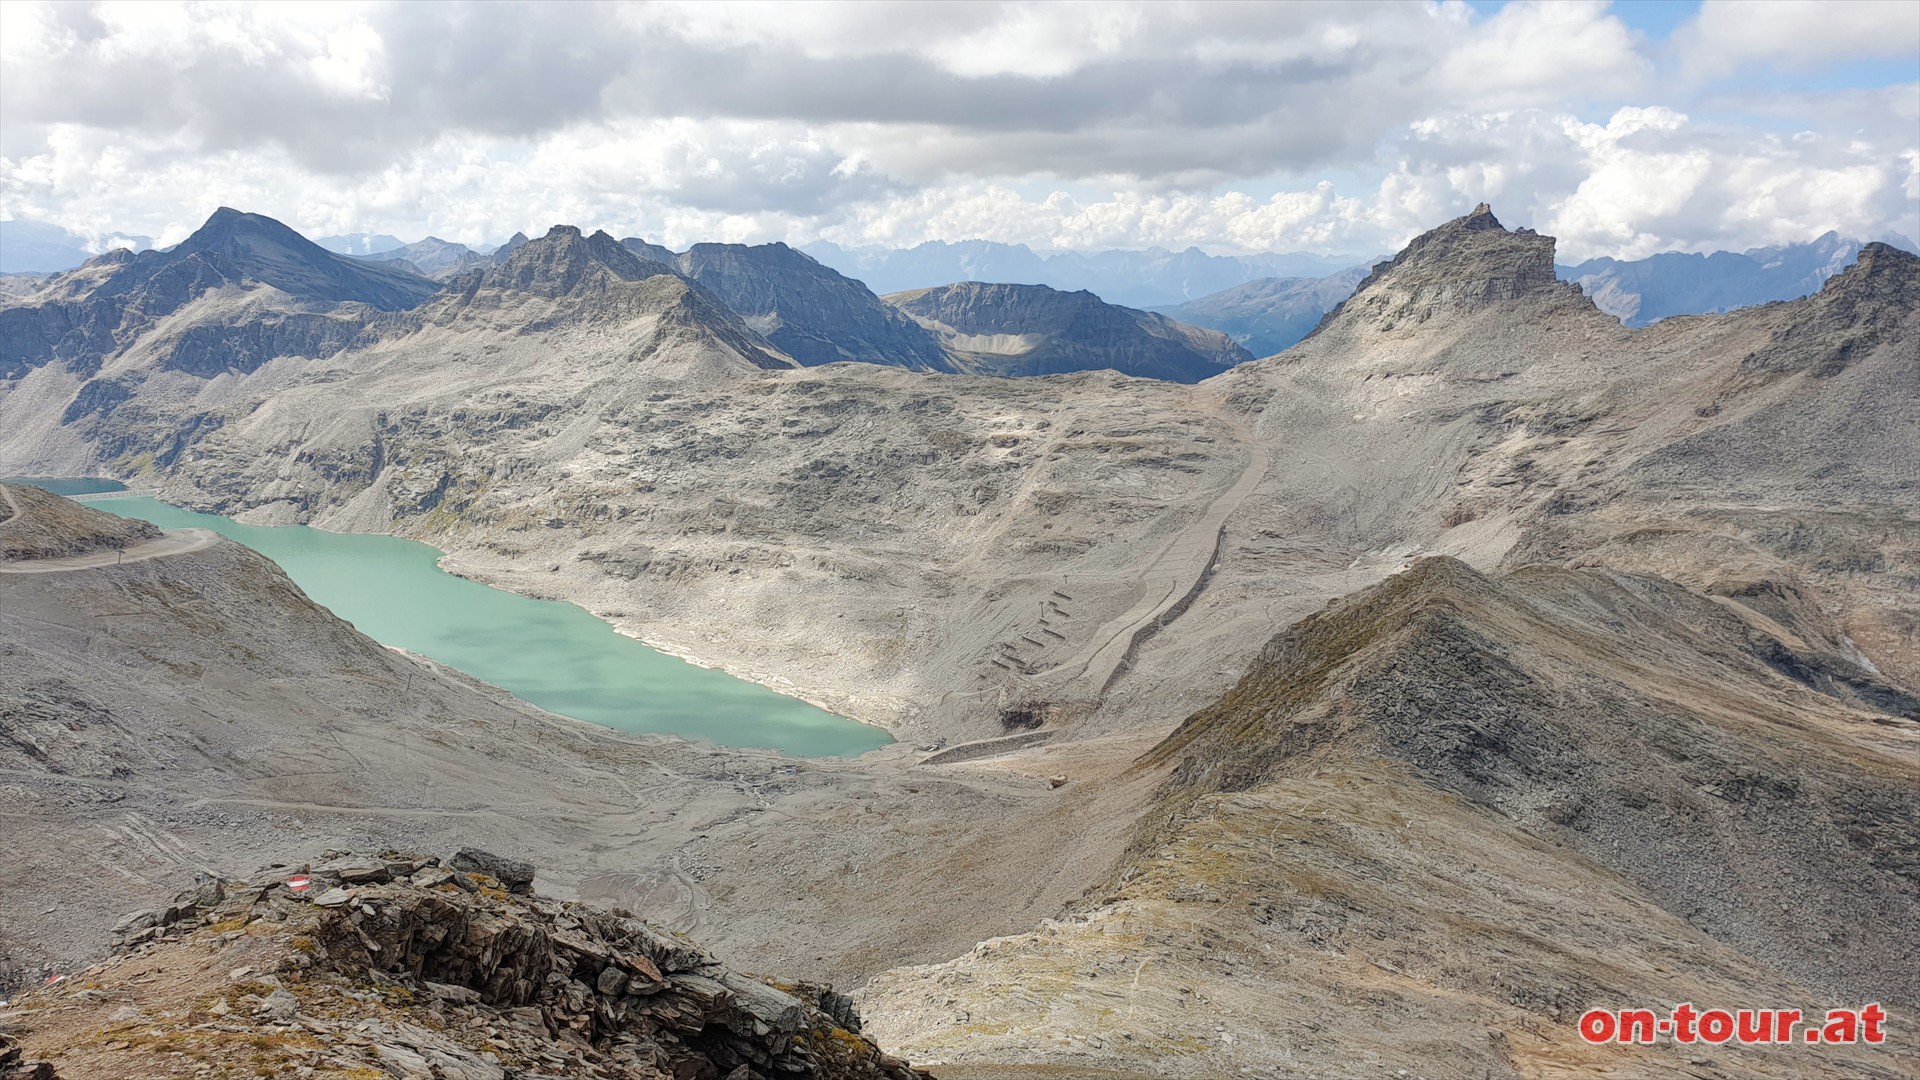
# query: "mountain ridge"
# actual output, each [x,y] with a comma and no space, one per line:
[811,312]
[1027,330]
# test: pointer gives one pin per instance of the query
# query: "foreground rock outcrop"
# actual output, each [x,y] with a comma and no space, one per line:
[404,966]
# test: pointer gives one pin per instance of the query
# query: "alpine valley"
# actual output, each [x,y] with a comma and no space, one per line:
[1370,709]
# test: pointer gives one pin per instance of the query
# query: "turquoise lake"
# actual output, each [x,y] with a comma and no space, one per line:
[552,654]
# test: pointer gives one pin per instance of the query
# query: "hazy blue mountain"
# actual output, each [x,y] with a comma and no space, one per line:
[1147,278]
[1644,291]
[360,243]
[433,257]
[41,248]
[1269,314]
[1000,329]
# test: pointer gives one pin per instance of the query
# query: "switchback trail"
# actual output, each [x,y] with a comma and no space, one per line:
[1175,573]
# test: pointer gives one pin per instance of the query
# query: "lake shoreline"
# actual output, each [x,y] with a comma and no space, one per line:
[728,719]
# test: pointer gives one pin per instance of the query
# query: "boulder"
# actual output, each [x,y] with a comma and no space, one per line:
[515,874]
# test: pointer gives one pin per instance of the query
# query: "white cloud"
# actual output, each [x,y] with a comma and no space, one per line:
[1534,51]
[1056,125]
[1728,35]
[1646,180]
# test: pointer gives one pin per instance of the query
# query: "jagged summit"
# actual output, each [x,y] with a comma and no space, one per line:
[566,262]
[1878,262]
[1468,264]
[1481,218]
[569,277]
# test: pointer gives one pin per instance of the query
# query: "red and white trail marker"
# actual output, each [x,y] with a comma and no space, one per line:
[298,882]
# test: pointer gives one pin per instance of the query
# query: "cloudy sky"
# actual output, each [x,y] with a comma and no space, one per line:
[1623,129]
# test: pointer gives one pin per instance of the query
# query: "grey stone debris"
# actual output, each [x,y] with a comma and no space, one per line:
[515,874]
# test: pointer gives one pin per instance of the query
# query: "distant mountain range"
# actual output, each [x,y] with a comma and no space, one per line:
[246,289]
[433,257]
[1644,291]
[976,306]
[360,243]
[1269,315]
[35,247]
[1147,278]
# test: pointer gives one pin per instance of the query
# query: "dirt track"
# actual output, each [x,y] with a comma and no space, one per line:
[173,542]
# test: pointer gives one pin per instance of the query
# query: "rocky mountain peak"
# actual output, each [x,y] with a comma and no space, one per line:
[242,247]
[1880,260]
[514,243]
[255,242]
[1467,264]
[566,262]
[1481,218]
[1883,277]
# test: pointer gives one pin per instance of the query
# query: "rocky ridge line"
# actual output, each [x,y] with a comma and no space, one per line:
[406,966]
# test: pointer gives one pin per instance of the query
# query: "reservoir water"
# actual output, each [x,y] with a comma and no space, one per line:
[552,654]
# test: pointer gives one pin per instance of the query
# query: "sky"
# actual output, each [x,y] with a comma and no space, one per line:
[1623,129]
